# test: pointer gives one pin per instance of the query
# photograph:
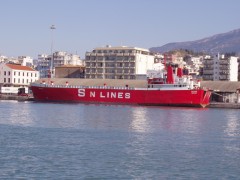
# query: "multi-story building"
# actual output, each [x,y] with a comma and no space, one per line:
[14,75]
[118,63]
[3,59]
[25,61]
[59,58]
[63,58]
[43,65]
[220,68]
[194,65]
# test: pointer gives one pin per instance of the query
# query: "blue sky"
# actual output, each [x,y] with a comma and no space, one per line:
[82,25]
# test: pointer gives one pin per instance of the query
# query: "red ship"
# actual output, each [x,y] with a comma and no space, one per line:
[161,89]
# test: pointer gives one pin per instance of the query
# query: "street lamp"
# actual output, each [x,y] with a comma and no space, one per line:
[51,68]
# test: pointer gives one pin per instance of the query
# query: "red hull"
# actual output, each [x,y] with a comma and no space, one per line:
[196,97]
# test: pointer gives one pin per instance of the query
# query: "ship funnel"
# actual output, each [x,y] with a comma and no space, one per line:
[170,79]
[179,72]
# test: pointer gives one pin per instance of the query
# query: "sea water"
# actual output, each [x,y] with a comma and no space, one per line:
[91,141]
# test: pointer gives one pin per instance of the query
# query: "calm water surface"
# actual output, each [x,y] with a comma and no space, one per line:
[80,141]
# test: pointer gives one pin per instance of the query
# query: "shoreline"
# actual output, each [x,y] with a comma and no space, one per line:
[211,105]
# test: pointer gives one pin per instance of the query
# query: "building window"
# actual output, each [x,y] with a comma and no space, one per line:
[27,74]
[9,80]
[4,80]
[14,73]
[18,80]
[5,73]
[14,80]
[9,73]
[23,73]
[18,73]
[23,81]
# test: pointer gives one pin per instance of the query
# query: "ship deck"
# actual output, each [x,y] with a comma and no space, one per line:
[95,82]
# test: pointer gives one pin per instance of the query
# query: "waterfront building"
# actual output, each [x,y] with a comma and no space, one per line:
[220,68]
[25,61]
[194,65]
[118,63]
[59,58]
[43,65]
[15,75]
[3,59]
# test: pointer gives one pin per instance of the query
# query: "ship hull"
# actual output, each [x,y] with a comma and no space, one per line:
[141,96]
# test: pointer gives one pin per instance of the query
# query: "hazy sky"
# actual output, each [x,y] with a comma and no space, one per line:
[82,25]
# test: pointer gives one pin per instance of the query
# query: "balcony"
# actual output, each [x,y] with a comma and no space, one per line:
[132,54]
[208,68]
[207,77]
[224,72]
[208,72]
[224,68]
[99,72]
[208,63]
[119,54]
[224,78]
[100,54]
[224,63]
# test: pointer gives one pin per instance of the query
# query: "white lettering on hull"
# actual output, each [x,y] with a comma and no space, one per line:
[81,92]
[92,94]
[194,92]
[108,94]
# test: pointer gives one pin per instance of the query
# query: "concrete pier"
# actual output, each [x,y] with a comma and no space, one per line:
[15,97]
[224,105]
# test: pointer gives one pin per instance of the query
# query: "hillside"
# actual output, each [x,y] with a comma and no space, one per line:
[221,43]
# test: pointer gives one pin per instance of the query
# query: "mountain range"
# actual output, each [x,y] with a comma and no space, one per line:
[220,43]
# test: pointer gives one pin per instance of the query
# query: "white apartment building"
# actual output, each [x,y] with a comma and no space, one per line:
[220,68]
[25,61]
[13,75]
[43,65]
[194,64]
[63,58]
[3,59]
[59,58]
[118,63]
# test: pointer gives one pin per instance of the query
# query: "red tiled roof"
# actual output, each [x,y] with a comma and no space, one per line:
[19,67]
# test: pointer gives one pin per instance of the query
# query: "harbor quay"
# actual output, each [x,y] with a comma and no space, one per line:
[211,105]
